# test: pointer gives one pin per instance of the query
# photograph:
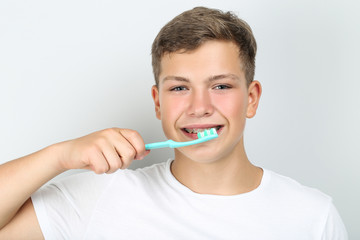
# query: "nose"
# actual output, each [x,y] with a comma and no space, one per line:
[200,104]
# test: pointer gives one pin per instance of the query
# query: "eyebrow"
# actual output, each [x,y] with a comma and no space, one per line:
[222,76]
[176,78]
[210,79]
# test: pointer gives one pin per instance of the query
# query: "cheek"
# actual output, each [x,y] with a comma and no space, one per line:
[171,109]
[232,106]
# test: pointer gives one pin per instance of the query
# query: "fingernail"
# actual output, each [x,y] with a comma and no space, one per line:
[139,157]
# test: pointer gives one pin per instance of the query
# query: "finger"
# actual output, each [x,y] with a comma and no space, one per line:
[113,159]
[116,147]
[142,157]
[136,141]
[126,153]
[98,163]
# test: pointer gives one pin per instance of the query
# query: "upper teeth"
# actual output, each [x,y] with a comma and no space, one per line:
[196,130]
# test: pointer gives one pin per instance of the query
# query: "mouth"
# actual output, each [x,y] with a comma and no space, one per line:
[192,131]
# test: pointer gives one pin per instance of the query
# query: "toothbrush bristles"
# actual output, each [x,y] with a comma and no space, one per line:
[200,134]
[207,132]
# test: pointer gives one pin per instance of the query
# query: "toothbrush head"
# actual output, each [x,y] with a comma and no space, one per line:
[208,133]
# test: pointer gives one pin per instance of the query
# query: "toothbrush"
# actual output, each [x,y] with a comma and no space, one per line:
[202,137]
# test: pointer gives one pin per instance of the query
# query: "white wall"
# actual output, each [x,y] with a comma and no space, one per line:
[68,68]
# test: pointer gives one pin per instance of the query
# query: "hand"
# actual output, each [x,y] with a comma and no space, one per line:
[104,151]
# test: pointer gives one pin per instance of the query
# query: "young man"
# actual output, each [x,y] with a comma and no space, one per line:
[203,63]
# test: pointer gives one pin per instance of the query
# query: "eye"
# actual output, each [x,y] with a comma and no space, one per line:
[222,86]
[178,88]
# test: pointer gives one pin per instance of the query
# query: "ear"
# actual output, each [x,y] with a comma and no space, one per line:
[254,93]
[155,96]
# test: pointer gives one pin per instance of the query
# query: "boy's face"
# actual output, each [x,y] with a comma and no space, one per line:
[202,89]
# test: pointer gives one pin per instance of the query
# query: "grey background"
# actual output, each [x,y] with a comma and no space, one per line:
[68,68]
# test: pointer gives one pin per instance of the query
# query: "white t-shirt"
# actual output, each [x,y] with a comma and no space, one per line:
[149,203]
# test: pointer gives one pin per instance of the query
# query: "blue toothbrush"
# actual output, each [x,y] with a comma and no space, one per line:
[202,137]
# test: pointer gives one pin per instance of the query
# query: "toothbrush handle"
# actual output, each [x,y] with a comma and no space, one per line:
[158,145]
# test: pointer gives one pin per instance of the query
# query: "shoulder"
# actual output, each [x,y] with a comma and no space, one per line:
[289,188]
[307,204]
[304,206]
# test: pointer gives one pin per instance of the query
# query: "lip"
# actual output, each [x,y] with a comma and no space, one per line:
[201,126]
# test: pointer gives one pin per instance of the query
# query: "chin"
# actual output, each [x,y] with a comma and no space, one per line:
[198,155]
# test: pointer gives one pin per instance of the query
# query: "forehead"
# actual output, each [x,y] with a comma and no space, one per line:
[213,58]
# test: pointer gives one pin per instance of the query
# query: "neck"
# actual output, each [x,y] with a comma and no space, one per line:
[229,175]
